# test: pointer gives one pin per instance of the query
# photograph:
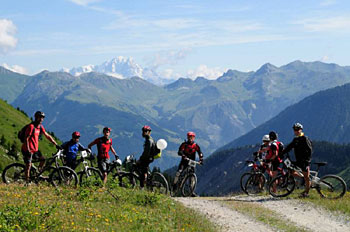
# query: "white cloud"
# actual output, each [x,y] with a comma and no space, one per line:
[15,68]
[7,38]
[204,71]
[325,58]
[326,24]
[328,2]
[84,2]
[168,57]
[169,74]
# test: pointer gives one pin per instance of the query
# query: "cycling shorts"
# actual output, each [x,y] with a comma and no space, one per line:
[34,157]
[103,164]
[303,165]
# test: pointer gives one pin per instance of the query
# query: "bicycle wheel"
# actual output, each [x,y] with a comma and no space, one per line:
[127,180]
[189,185]
[64,176]
[282,185]
[14,173]
[244,179]
[158,183]
[255,184]
[331,187]
[91,177]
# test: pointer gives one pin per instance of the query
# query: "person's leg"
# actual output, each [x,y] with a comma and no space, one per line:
[306,174]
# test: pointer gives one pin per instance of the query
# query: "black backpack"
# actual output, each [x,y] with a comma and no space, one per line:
[280,148]
[22,133]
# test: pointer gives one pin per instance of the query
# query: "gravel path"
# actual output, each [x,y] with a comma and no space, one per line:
[301,213]
[227,219]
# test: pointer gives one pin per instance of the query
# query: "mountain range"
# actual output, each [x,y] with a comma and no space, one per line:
[122,68]
[219,111]
[325,116]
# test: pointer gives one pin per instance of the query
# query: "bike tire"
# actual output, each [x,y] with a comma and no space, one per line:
[284,185]
[14,173]
[188,185]
[127,180]
[331,187]
[91,177]
[158,183]
[64,176]
[255,184]
[245,176]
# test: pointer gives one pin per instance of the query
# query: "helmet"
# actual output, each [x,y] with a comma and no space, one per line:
[266,138]
[190,133]
[297,126]
[76,134]
[146,128]
[107,129]
[39,114]
[273,135]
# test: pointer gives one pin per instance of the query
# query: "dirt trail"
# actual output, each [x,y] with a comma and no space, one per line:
[303,214]
[228,219]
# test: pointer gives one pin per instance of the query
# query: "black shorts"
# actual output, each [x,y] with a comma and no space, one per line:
[72,163]
[183,164]
[303,165]
[103,164]
[30,158]
[142,166]
[275,164]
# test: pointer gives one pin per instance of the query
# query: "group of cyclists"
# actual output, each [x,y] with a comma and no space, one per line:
[272,151]
[31,152]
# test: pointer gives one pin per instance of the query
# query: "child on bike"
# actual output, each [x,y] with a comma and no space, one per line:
[187,150]
[70,150]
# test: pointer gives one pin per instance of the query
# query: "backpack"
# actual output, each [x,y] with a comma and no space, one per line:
[157,153]
[22,133]
[280,149]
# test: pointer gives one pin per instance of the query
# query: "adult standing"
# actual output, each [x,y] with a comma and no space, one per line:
[30,147]
[303,150]
[104,145]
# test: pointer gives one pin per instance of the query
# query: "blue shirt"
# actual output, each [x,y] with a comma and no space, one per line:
[71,148]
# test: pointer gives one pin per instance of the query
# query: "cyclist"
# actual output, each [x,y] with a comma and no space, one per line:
[261,153]
[104,145]
[303,150]
[187,150]
[71,148]
[147,156]
[30,147]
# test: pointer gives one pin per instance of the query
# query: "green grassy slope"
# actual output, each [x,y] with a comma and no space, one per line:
[39,208]
[11,121]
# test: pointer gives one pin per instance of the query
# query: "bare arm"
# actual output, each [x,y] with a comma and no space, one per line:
[49,137]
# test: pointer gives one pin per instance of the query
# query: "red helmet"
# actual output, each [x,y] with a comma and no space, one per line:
[107,129]
[146,128]
[190,133]
[76,134]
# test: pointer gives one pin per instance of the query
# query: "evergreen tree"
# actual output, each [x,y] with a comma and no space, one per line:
[3,141]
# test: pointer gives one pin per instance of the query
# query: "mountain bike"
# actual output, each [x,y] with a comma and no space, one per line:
[155,181]
[89,174]
[52,173]
[328,186]
[187,180]
[255,169]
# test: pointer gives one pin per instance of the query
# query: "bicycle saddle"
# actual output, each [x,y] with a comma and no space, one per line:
[320,163]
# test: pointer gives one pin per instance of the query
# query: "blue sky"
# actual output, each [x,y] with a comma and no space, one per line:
[177,38]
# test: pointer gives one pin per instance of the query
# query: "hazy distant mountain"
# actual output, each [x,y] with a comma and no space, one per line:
[120,67]
[325,116]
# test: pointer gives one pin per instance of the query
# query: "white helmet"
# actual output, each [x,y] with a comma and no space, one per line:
[266,138]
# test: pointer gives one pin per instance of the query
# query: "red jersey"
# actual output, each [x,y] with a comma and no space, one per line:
[189,150]
[273,148]
[33,133]
[103,147]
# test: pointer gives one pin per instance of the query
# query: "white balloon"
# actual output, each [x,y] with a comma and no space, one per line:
[162,144]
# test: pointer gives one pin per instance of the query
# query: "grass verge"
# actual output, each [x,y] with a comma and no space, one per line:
[42,208]
[264,215]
